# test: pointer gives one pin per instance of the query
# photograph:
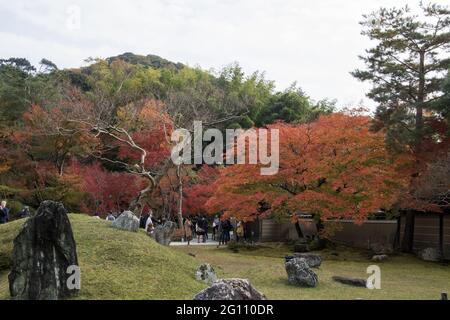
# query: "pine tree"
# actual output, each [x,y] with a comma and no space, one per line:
[407,68]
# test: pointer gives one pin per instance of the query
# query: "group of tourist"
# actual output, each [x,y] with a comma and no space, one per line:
[146,221]
[195,226]
[198,226]
[221,230]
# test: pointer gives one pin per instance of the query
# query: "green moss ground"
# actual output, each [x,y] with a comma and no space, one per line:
[123,265]
[402,276]
[117,264]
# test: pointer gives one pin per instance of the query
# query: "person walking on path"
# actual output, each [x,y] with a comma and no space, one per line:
[200,229]
[224,229]
[239,231]
[187,230]
[220,233]
[205,227]
[227,228]
[215,228]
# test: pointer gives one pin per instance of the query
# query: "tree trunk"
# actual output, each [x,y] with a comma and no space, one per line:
[299,230]
[137,205]
[153,182]
[420,102]
[441,236]
[408,236]
[397,233]
[60,165]
[320,226]
[180,202]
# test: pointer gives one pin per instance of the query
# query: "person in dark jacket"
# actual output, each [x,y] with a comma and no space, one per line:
[143,220]
[25,212]
[200,229]
[224,228]
[205,227]
[228,228]
[4,212]
[248,231]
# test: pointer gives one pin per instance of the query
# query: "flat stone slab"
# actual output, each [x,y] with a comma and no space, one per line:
[313,260]
[380,257]
[350,281]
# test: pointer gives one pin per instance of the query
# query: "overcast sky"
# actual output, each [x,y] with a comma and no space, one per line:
[315,43]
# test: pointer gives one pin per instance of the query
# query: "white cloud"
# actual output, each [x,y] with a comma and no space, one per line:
[315,43]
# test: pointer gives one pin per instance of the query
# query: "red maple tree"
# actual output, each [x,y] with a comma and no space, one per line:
[333,168]
[197,193]
[108,191]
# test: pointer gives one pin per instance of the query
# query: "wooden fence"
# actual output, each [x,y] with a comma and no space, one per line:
[426,232]
[363,235]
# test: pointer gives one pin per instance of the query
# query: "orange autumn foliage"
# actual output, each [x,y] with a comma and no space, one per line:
[334,168]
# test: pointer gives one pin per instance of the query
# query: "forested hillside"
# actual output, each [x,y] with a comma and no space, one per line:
[46,155]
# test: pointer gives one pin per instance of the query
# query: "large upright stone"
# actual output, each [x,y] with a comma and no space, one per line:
[42,253]
[126,221]
[163,232]
[300,274]
[230,289]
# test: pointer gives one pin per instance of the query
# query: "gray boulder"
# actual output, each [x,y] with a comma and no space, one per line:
[312,259]
[42,253]
[430,254]
[126,221]
[206,273]
[300,274]
[379,248]
[380,257]
[163,232]
[301,245]
[350,281]
[230,289]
